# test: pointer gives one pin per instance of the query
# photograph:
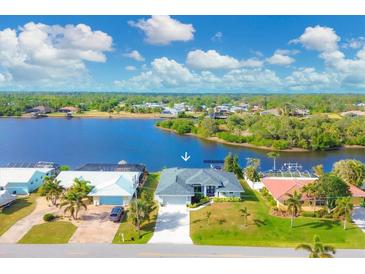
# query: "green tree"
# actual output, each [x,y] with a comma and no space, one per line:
[207,127]
[76,197]
[318,170]
[252,170]
[72,202]
[64,168]
[311,191]
[51,189]
[245,214]
[294,204]
[343,210]
[139,212]
[273,155]
[351,171]
[231,164]
[330,187]
[318,249]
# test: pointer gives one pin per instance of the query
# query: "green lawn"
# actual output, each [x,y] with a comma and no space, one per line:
[226,227]
[127,228]
[57,232]
[21,208]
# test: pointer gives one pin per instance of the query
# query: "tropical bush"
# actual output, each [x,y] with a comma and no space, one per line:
[48,217]
[226,199]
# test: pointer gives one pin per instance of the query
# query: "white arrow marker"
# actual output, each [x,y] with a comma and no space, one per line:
[186,157]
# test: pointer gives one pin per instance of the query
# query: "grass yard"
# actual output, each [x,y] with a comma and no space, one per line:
[127,228]
[57,232]
[21,208]
[226,227]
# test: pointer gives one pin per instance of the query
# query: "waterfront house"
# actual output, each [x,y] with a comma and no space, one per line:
[24,180]
[280,187]
[179,185]
[40,110]
[69,109]
[113,184]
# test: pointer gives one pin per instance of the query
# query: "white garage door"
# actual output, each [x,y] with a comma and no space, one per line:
[174,200]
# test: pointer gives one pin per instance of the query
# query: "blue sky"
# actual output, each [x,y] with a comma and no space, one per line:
[183,53]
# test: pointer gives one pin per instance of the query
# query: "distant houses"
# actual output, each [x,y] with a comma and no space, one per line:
[353,113]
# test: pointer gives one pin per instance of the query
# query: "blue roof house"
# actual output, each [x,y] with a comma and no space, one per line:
[23,180]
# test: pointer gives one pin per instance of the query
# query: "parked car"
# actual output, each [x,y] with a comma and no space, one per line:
[116,214]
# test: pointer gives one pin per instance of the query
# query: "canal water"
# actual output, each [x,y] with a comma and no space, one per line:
[75,142]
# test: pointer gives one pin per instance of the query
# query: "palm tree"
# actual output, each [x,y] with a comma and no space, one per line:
[294,204]
[73,202]
[318,249]
[245,214]
[343,209]
[139,212]
[208,214]
[274,155]
[318,170]
[310,190]
[54,192]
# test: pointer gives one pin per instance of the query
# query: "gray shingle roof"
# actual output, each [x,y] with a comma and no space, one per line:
[176,181]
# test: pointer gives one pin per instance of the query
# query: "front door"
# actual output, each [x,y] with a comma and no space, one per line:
[210,190]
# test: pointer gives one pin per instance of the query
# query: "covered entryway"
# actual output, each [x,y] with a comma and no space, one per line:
[175,200]
[173,225]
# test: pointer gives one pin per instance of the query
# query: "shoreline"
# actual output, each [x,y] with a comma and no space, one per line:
[247,145]
[95,115]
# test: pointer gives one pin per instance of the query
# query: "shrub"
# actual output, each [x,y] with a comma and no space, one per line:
[226,136]
[226,199]
[49,217]
[362,203]
[202,201]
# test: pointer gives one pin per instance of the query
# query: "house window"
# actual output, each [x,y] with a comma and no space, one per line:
[197,189]
[210,191]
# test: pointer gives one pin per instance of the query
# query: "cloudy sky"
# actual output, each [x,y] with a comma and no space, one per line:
[183,53]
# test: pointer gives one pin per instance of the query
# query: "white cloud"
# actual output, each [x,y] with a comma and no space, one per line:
[51,54]
[280,59]
[130,68]
[355,43]
[308,79]
[318,38]
[135,55]
[217,37]
[210,59]
[251,63]
[168,74]
[162,30]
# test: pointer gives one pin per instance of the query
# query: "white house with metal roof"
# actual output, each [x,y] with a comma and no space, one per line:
[179,185]
[109,187]
[23,180]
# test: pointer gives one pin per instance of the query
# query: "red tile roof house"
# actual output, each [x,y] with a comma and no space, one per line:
[280,186]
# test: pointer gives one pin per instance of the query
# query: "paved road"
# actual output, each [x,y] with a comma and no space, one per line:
[155,250]
[173,225]
[358,216]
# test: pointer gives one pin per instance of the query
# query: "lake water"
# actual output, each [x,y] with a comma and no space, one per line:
[78,141]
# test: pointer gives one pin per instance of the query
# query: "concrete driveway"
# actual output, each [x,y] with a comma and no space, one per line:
[21,227]
[173,225]
[94,226]
[358,216]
